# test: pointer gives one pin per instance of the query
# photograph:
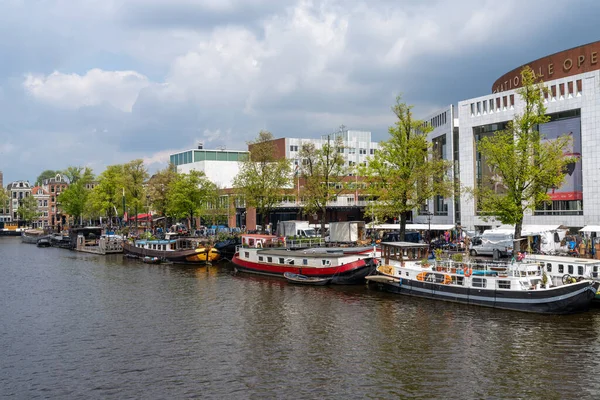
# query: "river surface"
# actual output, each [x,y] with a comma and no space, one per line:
[80,326]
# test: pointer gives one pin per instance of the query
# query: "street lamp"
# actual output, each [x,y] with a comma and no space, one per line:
[429,215]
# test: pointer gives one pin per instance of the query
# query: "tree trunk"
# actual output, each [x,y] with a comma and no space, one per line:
[323,216]
[402,226]
[517,239]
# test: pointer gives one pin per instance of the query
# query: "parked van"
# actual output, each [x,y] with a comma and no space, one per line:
[500,240]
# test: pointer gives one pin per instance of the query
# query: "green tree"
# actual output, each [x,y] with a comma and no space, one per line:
[134,177]
[522,162]
[262,178]
[189,195]
[47,174]
[405,172]
[323,172]
[158,189]
[106,198]
[74,199]
[4,198]
[28,209]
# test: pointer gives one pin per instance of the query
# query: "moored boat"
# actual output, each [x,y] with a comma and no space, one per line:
[264,254]
[306,280]
[520,286]
[32,236]
[151,260]
[179,250]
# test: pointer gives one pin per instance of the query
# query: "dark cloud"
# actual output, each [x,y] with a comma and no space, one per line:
[298,72]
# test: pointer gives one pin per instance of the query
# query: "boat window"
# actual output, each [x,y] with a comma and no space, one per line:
[290,261]
[260,258]
[460,280]
[570,267]
[325,262]
[479,282]
[561,268]
[281,260]
[305,261]
[246,254]
[580,270]
[549,267]
[503,284]
[269,259]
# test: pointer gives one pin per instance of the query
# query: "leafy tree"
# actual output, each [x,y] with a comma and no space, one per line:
[404,173]
[158,189]
[4,198]
[262,177]
[28,209]
[106,197]
[134,177]
[74,198]
[73,174]
[323,171]
[189,195]
[47,174]
[525,164]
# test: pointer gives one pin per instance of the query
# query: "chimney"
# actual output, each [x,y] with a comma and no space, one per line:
[200,145]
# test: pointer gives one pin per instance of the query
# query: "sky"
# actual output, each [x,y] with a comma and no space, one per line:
[103,82]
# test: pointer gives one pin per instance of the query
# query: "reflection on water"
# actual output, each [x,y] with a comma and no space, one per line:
[76,325]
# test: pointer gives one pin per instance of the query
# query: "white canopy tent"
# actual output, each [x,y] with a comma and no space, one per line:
[413,227]
[590,228]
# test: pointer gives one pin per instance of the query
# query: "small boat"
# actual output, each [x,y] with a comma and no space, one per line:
[523,286]
[32,236]
[177,250]
[227,247]
[267,255]
[151,260]
[306,280]
[43,242]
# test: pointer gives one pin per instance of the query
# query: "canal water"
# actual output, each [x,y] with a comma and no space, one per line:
[81,326]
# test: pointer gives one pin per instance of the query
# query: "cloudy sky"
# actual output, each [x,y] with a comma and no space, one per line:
[101,82]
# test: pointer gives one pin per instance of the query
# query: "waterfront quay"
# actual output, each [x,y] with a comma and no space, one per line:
[79,325]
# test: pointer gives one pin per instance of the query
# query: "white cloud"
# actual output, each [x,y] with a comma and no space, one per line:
[117,88]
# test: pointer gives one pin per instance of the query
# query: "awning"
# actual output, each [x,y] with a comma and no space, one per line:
[414,227]
[590,228]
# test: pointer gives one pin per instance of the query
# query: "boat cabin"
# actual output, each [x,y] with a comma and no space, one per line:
[403,251]
[252,240]
[574,266]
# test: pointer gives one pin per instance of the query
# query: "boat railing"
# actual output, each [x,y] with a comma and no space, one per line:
[488,268]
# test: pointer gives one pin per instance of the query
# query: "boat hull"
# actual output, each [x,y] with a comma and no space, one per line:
[188,256]
[566,299]
[347,274]
[32,239]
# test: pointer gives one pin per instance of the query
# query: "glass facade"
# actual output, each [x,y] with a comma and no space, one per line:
[191,156]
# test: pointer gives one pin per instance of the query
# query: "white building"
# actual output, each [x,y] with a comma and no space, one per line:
[220,166]
[18,191]
[573,103]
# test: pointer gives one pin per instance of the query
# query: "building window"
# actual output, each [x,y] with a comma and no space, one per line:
[372,151]
[362,151]
[293,148]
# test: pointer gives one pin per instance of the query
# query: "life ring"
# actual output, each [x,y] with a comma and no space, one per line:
[467,272]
